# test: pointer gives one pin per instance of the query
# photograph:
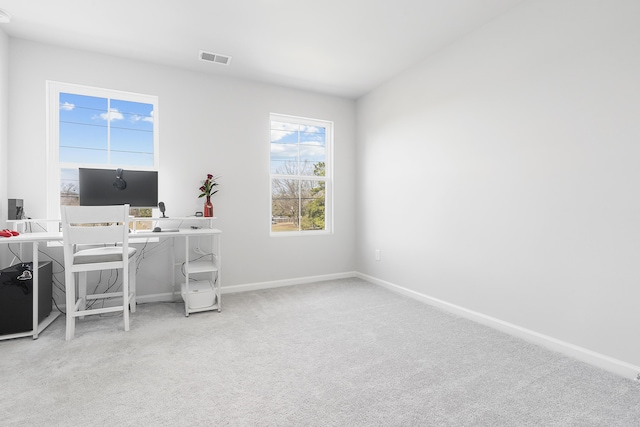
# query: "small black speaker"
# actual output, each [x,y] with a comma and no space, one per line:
[16,209]
[162,209]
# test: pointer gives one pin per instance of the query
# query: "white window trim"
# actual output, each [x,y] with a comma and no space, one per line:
[328,178]
[53,133]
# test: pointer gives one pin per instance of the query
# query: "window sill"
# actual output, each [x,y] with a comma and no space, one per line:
[300,233]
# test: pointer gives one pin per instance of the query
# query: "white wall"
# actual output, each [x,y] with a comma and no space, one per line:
[4,133]
[501,175]
[207,125]
[4,114]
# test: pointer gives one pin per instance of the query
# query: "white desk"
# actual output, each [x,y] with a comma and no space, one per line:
[213,267]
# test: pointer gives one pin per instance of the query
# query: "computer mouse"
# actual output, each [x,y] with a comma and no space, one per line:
[157,229]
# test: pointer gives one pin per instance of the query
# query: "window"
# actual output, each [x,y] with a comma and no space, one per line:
[301,175]
[96,128]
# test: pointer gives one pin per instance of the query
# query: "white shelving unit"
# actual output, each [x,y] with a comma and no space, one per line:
[201,295]
[201,288]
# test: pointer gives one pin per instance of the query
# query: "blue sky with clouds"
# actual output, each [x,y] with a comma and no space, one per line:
[297,143]
[98,132]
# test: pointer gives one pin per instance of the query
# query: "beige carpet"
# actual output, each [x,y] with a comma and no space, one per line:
[338,353]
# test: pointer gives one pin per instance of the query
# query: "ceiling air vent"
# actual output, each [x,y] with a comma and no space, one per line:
[215,57]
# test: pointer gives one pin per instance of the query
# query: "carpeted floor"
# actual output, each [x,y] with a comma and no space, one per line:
[337,353]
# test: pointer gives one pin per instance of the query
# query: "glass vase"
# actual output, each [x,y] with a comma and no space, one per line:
[208,208]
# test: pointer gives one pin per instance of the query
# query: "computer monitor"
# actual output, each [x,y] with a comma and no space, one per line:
[99,187]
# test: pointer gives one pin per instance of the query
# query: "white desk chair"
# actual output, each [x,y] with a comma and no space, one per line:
[108,227]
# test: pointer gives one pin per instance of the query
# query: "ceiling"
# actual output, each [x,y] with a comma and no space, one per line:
[338,47]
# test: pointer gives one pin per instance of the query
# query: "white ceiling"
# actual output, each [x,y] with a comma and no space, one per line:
[338,47]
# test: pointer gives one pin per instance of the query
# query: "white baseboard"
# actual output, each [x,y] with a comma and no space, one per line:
[286,282]
[585,355]
[169,296]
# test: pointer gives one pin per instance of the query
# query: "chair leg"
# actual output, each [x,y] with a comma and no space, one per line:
[132,285]
[125,297]
[70,292]
[82,291]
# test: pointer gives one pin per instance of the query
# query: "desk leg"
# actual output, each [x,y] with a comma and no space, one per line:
[186,276]
[36,283]
[173,267]
[219,265]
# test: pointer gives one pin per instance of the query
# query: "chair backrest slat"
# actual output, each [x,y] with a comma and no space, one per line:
[95,225]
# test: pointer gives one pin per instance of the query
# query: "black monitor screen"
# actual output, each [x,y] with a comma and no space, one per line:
[101,187]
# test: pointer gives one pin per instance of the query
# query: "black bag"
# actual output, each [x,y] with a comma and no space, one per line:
[19,275]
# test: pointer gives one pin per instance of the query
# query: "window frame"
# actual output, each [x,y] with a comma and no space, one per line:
[327,178]
[54,165]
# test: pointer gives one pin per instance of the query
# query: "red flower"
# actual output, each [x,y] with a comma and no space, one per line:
[207,188]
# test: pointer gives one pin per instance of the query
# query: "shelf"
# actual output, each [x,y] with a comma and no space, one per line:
[202,267]
[198,310]
[205,294]
[147,224]
[175,218]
